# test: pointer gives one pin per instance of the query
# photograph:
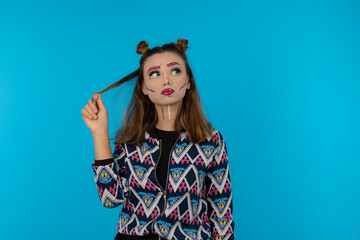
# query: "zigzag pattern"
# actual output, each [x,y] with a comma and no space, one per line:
[198,196]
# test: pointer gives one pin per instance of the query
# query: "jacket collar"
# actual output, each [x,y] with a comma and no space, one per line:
[153,133]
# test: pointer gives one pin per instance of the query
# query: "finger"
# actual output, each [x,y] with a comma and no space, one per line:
[85,113]
[93,106]
[90,111]
[99,101]
[95,96]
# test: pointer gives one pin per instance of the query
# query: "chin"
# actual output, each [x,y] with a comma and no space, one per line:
[169,102]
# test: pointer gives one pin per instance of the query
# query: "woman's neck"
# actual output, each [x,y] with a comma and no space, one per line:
[166,116]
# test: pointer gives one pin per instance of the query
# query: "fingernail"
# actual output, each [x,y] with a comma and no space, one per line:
[91,117]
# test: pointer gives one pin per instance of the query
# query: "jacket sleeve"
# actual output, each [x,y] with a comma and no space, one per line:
[110,178]
[219,193]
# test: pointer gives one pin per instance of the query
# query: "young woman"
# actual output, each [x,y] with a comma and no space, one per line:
[170,169]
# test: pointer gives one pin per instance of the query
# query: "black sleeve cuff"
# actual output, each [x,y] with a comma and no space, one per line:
[103,162]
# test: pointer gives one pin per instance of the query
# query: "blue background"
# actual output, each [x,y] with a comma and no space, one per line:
[279,79]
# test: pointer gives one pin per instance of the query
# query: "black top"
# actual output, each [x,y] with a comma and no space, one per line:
[168,139]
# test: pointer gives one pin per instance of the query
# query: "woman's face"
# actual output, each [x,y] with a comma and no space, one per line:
[165,78]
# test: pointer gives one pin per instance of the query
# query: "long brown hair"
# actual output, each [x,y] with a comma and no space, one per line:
[141,113]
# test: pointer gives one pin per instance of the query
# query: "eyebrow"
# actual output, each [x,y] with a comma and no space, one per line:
[169,65]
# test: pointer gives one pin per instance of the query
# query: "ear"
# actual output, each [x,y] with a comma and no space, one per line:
[143,89]
[188,85]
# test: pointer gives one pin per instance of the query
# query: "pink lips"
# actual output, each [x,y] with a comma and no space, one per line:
[167,91]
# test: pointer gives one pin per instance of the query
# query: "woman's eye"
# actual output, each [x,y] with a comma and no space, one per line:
[177,71]
[153,74]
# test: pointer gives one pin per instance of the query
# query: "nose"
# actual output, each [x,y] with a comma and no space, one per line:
[167,79]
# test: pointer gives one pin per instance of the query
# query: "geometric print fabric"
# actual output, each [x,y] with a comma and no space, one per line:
[197,203]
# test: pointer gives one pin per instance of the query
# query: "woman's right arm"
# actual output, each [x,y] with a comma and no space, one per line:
[102,146]
[110,172]
[109,169]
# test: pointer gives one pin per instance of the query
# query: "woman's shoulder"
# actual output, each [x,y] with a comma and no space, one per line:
[216,133]
[214,138]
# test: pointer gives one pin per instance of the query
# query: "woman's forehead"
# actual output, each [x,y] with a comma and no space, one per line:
[163,59]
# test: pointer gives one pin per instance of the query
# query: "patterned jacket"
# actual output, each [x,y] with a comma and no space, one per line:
[197,203]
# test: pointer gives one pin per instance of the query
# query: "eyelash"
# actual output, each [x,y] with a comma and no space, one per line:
[175,69]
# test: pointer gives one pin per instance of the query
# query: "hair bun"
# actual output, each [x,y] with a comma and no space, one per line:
[142,48]
[182,45]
